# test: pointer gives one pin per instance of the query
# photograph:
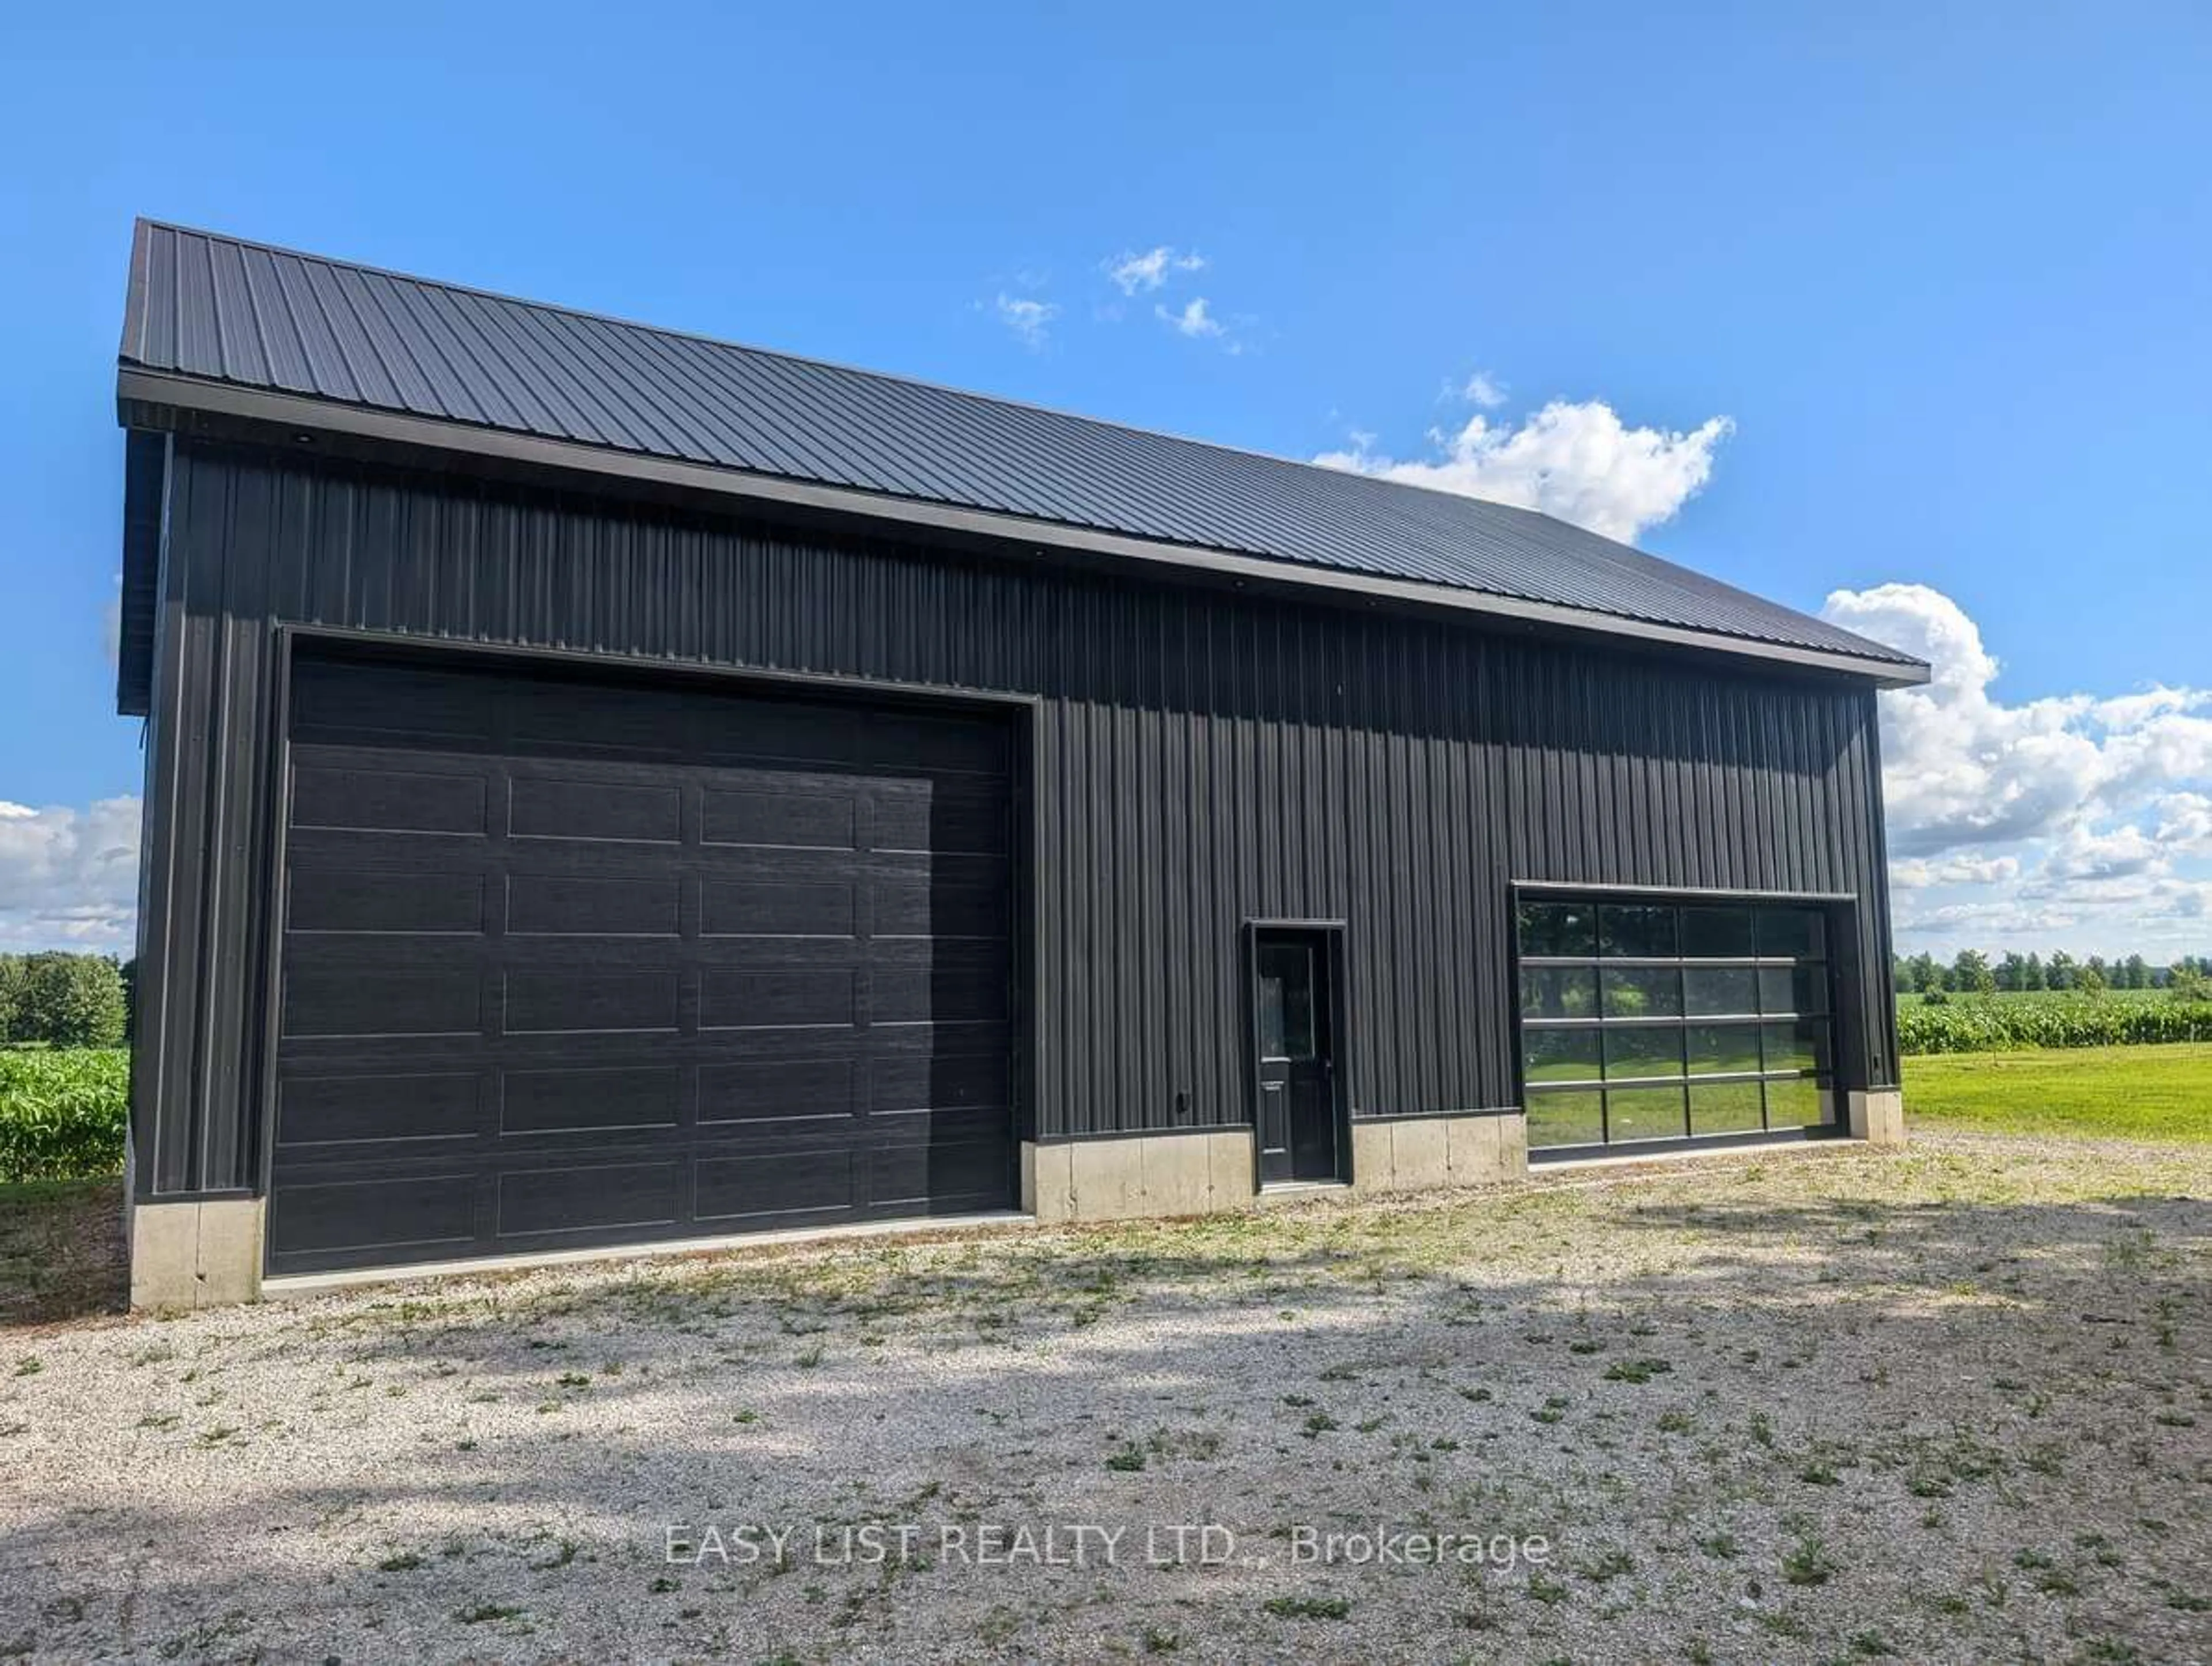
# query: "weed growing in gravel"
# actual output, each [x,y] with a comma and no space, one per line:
[1808,1562]
[1308,1607]
[1611,1565]
[1128,1458]
[1636,1370]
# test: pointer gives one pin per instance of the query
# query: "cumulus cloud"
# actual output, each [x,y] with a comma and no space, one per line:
[2076,817]
[1483,389]
[1141,273]
[1917,873]
[1578,461]
[1193,318]
[68,878]
[1029,320]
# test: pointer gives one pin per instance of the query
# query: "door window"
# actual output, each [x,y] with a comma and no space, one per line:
[1286,1001]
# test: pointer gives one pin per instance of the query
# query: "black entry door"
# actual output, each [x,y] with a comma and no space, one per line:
[1295,1064]
[572,962]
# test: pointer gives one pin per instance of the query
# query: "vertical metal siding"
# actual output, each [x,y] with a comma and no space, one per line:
[1203,758]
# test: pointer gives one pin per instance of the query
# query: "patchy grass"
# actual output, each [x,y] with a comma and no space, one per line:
[2161,1093]
[62,1253]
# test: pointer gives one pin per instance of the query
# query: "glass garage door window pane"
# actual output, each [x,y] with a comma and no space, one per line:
[1800,1046]
[1559,928]
[1644,1113]
[1717,934]
[1776,989]
[1642,992]
[1646,932]
[1795,1103]
[1712,991]
[1724,1108]
[1656,1051]
[1559,1055]
[1566,1119]
[1723,1049]
[1808,987]
[1558,992]
[1798,934]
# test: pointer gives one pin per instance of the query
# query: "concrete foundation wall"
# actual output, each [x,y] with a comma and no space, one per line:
[1427,1152]
[199,1253]
[1206,1172]
[1878,1117]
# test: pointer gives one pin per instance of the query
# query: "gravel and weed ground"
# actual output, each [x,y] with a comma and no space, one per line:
[1953,1404]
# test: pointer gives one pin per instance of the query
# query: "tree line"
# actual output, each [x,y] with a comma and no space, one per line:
[1974,973]
[59,999]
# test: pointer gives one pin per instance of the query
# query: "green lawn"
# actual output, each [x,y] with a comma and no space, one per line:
[2162,1092]
[61,1250]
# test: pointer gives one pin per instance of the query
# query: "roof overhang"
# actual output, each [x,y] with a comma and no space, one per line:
[145,397]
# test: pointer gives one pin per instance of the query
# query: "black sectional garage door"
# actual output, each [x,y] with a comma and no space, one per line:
[572,962]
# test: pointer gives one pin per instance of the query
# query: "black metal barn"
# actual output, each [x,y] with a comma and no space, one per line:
[603,786]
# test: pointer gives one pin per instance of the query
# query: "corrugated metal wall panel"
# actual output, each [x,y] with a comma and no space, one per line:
[1203,758]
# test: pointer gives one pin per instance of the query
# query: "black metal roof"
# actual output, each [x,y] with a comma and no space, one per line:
[207,312]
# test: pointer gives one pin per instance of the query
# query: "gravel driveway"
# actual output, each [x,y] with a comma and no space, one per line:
[1954,1404]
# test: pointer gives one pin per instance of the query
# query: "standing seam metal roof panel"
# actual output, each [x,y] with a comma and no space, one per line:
[222,309]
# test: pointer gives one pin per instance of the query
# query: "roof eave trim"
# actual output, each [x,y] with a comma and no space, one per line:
[303,412]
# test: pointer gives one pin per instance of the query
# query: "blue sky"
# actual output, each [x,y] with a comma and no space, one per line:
[1941,270]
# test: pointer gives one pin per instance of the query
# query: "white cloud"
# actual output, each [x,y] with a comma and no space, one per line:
[1133,274]
[69,878]
[1577,461]
[1193,318]
[1483,389]
[2184,824]
[1029,320]
[1917,873]
[2072,817]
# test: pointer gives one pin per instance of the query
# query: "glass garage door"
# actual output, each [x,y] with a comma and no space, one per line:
[1645,1021]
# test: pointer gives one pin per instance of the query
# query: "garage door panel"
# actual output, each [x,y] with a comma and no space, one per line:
[366,1221]
[783,1089]
[945,820]
[556,1000]
[400,1111]
[779,997]
[554,904]
[573,1100]
[339,1001]
[778,908]
[345,899]
[940,908]
[946,993]
[820,817]
[565,807]
[939,1174]
[769,1189]
[936,1080]
[591,1197]
[368,799]
[565,964]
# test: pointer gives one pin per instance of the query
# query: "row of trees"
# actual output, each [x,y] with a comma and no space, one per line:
[1973,973]
[64,1000]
